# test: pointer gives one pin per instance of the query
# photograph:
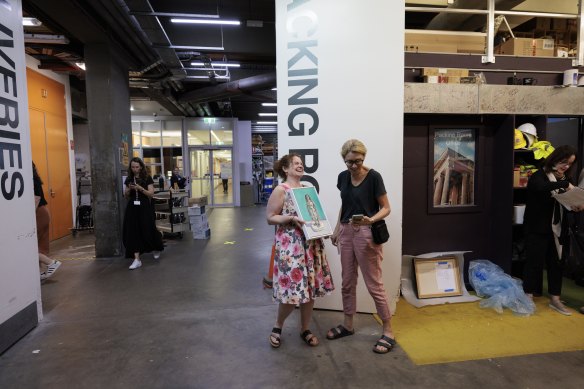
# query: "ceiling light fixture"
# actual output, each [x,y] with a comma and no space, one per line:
[33,22]
[270,104]
[267,114]
[207,21]
[217,64]
[207,77]
[80,65]
[46,38]
[266,122]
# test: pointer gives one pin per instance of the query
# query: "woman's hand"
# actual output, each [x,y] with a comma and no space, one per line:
[335,238]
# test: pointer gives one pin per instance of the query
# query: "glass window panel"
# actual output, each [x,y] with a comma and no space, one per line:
[172,133]
[151,134]
[222,132]
[197,132]
[172,158]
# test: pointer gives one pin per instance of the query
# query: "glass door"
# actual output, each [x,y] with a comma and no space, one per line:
[223,182]
[211,175]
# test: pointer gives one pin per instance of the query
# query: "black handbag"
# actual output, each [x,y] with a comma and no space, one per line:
[379,232]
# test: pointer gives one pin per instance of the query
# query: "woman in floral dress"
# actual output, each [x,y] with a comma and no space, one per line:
[301,270]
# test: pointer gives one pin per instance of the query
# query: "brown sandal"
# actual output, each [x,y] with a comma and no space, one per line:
[275,339]
[309,338]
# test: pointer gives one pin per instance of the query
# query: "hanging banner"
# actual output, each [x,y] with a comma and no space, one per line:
[340,76]
[19,278]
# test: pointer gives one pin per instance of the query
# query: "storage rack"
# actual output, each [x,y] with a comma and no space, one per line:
[171,211]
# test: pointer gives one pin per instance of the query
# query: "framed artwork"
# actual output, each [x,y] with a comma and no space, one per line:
[453,179]
[310,210]
[437,277]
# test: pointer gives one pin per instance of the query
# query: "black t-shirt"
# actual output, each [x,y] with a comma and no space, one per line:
[143,183]
[361,199]
[38,191]
[180,181]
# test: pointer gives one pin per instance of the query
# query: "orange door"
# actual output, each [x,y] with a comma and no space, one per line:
[50,153]
[59,185]
[50,148]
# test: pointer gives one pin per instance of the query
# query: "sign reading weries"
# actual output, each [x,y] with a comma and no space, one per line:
[11,178]
[302,75]
[19,277]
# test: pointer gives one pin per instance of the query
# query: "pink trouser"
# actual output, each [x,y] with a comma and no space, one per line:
[358,250]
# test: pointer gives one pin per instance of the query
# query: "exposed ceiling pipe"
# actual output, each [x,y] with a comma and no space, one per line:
[230,89]
[467,22]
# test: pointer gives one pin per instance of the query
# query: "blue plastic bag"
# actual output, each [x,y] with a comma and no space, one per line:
[499,288]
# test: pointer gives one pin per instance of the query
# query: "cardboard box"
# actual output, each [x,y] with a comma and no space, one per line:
[446,42]
[200,201]
[527,47]
[196,210]
[449,72]
[561,51]
[205,234]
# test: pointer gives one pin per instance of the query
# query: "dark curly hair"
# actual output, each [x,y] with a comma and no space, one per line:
[284,162]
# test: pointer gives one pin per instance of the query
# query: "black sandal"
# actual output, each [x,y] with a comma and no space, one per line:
[275,341]
[386,342]
[267,284]
[339,332]
[309,338]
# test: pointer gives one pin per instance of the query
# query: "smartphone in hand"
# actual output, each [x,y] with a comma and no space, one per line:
[357,218]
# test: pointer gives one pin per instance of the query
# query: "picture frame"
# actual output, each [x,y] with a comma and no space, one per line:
[310,210]
[437,277]
[453,179]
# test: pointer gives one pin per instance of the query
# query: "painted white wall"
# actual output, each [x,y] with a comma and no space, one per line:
[359,61]
[19,278]
[33,64]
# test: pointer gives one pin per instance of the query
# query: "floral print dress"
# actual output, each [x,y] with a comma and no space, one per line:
[301,270]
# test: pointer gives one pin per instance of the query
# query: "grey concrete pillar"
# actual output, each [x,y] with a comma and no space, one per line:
[108,103]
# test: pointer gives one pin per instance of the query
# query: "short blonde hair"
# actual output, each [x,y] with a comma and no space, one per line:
[353,145]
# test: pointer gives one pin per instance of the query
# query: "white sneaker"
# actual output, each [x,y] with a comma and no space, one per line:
[156,254]
[52,268]
[136,264]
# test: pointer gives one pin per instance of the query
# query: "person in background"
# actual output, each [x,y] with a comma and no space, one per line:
[546,226]
[301,270]
[43,220]
[176,180]
[362,193]
[224,180]
[139,231]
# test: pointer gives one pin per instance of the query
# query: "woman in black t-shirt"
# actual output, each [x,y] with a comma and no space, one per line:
[139,232]
[364,201]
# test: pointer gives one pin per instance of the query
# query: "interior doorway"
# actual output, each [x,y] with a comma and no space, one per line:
[212,175]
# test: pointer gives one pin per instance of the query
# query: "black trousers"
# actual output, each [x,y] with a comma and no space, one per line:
[541,250]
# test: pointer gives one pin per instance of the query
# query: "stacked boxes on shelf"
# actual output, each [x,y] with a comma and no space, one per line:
[199,222]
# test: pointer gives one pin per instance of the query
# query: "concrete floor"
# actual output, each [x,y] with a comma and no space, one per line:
[199,318]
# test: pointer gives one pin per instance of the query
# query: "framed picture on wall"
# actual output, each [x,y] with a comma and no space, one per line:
[453,179]
[310,210]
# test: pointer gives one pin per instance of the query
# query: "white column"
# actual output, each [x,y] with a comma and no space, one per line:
[335,60]
[19,277]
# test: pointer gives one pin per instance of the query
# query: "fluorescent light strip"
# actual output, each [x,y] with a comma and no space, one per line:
[266,122]
[267,114]
[27,21]
[206,21]
[270,104]
[215,136]
[80,65]
[217,64]
[207,77]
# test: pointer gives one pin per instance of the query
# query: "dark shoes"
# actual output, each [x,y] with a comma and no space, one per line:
[275,340]
[309,338]
[267,284]
[384,345]
[339,332]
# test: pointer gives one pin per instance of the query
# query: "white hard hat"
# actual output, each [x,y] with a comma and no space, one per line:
[528,128]
[530,133]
